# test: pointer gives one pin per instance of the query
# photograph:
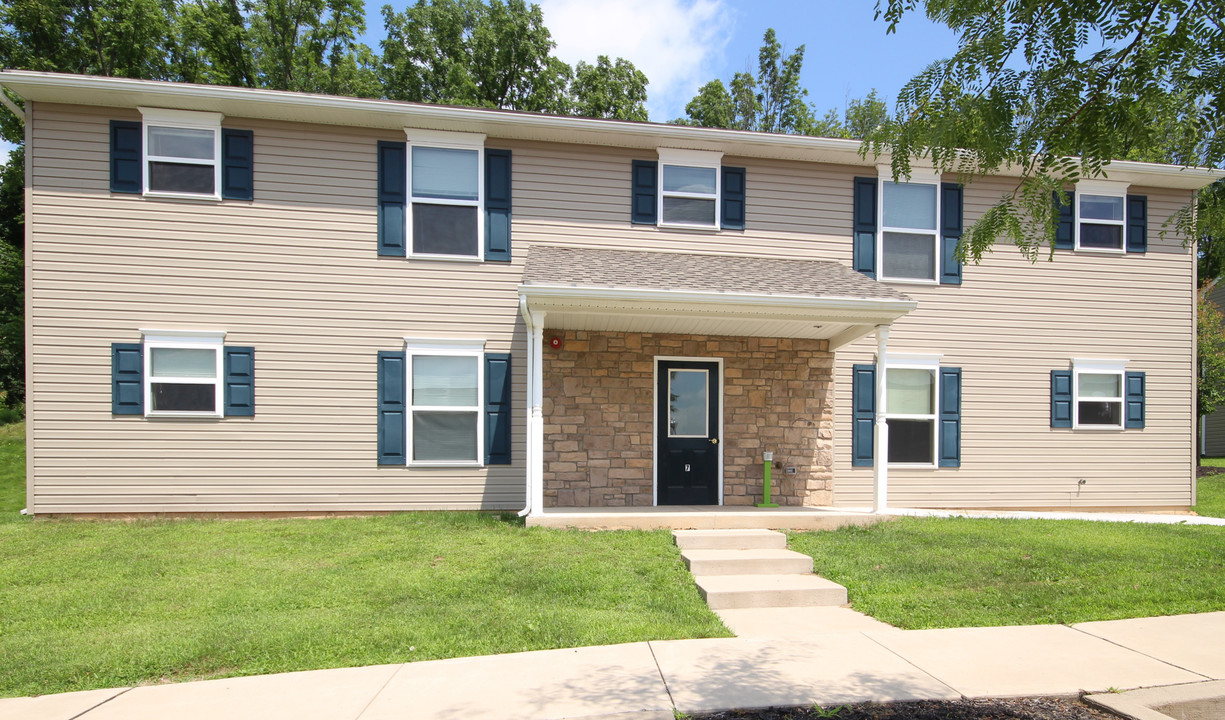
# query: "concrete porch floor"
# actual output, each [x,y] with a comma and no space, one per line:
[701,517]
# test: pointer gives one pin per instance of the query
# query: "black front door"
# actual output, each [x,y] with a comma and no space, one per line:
[687,423]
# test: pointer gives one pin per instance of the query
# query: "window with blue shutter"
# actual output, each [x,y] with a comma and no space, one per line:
[239,381]
[644,180]
[392,400]
[497,205]
[127,379]
[863,414]
[951,210]
[126,173]
[392,198]
[1137,224]
[1065,229]
[864,248]
[237,164]
[950,417]
[1061,398]
[1134,417]
[733,198]
[497,408]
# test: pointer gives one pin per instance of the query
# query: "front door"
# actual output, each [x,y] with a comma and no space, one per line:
[687,424]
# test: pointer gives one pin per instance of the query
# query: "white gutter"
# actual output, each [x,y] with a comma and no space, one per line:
[12,106]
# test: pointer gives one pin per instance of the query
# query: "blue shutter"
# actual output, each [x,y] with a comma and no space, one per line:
[1137,223]
[393,198]
[126,172]
[865,227]
[237,164]
[239,381]
[733,199]
[1134,400]
[1065,231]
[950,233]
[497,205]
[393,427]
[950,417]
[863,414]
[497,408]
[643,210]
[1061,398]
[127,379]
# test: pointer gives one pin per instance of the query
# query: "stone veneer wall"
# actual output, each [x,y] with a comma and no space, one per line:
[599,387]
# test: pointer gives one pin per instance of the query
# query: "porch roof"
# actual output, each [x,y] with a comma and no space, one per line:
[636,291]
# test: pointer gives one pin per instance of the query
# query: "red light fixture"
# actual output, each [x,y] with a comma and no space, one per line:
[556,343]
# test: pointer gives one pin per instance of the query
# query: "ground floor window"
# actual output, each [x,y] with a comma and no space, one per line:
[445,387]
[910,410]
[183,374]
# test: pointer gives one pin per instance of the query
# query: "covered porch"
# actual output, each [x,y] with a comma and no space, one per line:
[659,380]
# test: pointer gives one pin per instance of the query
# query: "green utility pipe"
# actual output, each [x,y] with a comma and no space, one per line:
[765,500]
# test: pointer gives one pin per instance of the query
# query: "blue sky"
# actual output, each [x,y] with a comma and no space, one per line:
[681,44]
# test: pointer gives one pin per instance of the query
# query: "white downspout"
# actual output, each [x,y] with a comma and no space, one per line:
[880,464]
[527,455]
[12,106]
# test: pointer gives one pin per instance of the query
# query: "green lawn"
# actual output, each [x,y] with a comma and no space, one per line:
[12,470]
[1210,493]
[958,572]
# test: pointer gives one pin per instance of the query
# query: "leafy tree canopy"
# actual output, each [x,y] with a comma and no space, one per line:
[1058,89]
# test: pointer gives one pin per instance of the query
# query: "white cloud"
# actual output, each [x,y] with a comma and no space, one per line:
[5,149]
[677,43]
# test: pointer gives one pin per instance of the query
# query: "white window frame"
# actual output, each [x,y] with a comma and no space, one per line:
[1100,188]
[448,141]
[186,339]
[706,159]
[928,362]
[917,177]
[414,347]
[179,119]
[1083,366]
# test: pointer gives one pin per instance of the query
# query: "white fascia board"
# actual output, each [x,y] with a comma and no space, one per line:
[183,118]
[445,138]
[694,158]
[389,114]
[806,302]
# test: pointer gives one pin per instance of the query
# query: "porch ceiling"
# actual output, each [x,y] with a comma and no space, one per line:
[631,291]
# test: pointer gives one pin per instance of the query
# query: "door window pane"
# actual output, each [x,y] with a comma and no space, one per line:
[177,177]
[689,211]
[910,391]
[183,397]
[444,436]
[678,178]
[908,205]
[444,381]
[687,403]
[911,441]
[445,173]
[182,142]
[909,256]
[183,362]
[444,229]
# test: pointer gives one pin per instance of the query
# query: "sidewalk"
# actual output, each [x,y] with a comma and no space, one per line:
[648,680]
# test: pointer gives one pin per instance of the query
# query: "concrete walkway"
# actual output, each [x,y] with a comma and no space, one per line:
[648,680]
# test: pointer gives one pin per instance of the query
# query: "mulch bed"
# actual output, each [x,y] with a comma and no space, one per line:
[1205,470]
[1007,709]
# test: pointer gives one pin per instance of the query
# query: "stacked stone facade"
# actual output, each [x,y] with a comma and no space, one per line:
[599,416]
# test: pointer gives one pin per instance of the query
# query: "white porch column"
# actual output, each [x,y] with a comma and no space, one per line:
[880,447]
[535,435]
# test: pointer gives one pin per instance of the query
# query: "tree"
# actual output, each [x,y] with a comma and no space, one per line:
[861,118]
[772,101]
[1210,357]
[610,90]
[1057,90]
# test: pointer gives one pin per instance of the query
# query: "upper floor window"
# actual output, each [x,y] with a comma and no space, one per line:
[689,191]
[181,153]
[909,237]
[447,191]
[1100,218]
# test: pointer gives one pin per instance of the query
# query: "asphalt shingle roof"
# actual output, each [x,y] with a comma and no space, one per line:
[631,269]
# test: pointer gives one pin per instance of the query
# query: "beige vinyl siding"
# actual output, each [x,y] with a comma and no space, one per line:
[1007,327]
[296,275]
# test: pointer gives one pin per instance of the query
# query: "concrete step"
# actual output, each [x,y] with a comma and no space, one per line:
[729,539]
[759,591]
[747,562]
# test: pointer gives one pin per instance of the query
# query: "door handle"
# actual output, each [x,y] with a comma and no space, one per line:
[714,441]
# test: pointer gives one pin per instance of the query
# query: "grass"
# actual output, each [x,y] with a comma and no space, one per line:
[959,572]
[1210,493]
[12,471]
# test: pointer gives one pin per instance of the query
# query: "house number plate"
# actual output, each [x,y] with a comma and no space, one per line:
[686,467]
